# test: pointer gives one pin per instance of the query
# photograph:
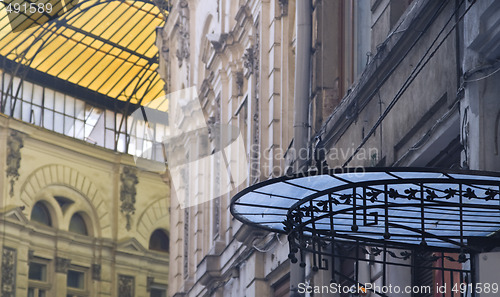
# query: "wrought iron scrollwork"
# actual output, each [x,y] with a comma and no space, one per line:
[422,221]
[340,208]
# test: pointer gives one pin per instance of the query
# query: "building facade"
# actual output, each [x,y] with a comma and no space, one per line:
[239,56]
[84,200]
[388,84]
[78,220]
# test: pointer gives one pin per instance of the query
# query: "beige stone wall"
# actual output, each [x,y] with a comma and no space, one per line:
[241,62]
[70,176]
[241,58]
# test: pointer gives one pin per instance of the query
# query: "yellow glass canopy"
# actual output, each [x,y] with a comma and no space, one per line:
[98,49]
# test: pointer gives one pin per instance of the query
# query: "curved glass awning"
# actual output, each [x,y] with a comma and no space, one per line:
[398,207]
[98,50]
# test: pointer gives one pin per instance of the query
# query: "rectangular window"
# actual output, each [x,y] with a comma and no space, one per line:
[38,271]
[76,279]
[158,292]
[38,278]
[282,288]
[76,282]
[36,292]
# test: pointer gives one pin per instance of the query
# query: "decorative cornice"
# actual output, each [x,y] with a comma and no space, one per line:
[283,7]
[96,272]
[164,6]
[126,286]
[62,265]
[249,60]
[182,25]
[239,83]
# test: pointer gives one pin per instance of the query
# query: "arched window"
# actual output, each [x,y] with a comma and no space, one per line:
[159,241]
[77,225]
[41,214]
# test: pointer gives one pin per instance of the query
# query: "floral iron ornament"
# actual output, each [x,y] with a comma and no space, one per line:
[14,145]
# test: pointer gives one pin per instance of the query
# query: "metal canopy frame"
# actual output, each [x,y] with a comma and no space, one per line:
[389,216]
[101,51]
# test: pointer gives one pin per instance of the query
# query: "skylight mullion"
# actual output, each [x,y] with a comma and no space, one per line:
[74,32]
[125,73]
[121,48]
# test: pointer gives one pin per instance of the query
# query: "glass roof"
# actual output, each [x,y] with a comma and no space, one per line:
[394,205]
[105,50]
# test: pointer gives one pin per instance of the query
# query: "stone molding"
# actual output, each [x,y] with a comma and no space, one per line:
[126,286]
[14,144]
[65,176]
[96,272]
[62,265]
[9,263]
[182,25]
[128,191]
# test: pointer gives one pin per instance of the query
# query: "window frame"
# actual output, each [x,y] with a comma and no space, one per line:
[159,232]
[83,221]
[38,285]
[78,292]
[159,287]
[45,209]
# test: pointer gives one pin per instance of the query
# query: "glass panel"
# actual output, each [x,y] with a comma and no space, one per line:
[7,104]
[6,81]
[16,86]
[121,125]
[26,110]
[58,122]
[37,115]
[48,119]
[96,134]
[76,279]
[77,225]
[17,108]
[122,144]
[59,102]
[160,132]
[38,95]
[41,214]
[80,109]
[79,129]
[69,126]
[159,241]
[110,119]
[49,99]
[27,92]
[131,146]
[110,140]
[37,272]
[146,149]
[70,106]
[158,293]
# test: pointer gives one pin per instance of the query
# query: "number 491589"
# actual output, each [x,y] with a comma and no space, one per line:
[29,8]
